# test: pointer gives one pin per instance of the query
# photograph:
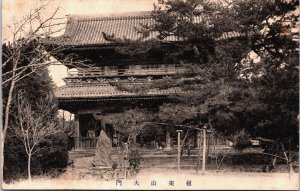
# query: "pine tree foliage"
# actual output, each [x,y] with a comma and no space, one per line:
[130,123]
[226,88]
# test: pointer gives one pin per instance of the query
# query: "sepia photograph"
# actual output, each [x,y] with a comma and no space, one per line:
[150,94]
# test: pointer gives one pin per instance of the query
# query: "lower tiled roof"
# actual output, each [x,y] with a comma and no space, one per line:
[105,91]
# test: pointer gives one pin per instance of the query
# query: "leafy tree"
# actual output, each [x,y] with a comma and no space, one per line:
[239,97]
[195,31]
[273,94]
[265,105]
[266,24]
[276,84]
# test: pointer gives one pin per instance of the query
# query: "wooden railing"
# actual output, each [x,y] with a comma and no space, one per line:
[87,142]
[123,72]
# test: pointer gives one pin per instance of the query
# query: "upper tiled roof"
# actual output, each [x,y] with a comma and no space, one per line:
[88,29]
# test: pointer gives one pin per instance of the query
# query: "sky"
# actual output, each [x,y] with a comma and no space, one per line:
[14,10]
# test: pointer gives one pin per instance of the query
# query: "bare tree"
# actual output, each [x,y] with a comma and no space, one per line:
[33,124]
[27,51]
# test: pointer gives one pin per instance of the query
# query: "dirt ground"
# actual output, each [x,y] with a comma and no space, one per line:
[80,176]
[168,179]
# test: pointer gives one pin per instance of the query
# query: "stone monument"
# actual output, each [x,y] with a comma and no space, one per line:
[103,151]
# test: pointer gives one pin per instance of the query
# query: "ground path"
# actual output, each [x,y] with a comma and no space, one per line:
[80,176]
[228,180]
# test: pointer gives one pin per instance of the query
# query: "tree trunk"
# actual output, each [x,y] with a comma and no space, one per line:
[7,108]
[2,156]
[28,166]
[6,116]
[9,98]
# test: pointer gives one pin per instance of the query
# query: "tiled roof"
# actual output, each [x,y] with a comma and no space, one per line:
[104,91]
[87,29]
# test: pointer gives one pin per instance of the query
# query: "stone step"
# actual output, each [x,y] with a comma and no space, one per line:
[153,153]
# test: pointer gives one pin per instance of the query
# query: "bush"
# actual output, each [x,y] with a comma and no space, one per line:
[49,161]
[242,143]
[56,157]
[241,140]
[15,159]
[134,157]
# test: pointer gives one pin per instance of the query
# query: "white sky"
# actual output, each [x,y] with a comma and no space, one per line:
[15,9]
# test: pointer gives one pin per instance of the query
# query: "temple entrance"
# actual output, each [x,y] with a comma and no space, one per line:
[88,128]
[161,137]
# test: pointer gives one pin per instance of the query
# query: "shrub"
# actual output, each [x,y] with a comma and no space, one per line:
[241,140]
[15,159]
[56,157]
[242,143]
[134,157]
[50,160]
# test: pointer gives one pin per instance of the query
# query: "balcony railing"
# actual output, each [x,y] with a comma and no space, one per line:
[123,72]
[87,142]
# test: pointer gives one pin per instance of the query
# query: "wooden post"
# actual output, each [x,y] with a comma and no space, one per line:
[199,139]
[207,143]
[204,150]
[126,163]
[178,149]
[168,140]
[76,131]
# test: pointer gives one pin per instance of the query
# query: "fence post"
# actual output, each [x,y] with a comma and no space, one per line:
[199,137]
[204,149]
[178,149]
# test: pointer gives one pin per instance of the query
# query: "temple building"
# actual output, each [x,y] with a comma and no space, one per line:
[92,92]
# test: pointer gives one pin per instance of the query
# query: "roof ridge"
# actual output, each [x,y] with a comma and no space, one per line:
[108,16]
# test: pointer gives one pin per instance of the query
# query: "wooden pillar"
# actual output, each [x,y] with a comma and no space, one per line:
[76,131]
[198,139]
[168,139]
